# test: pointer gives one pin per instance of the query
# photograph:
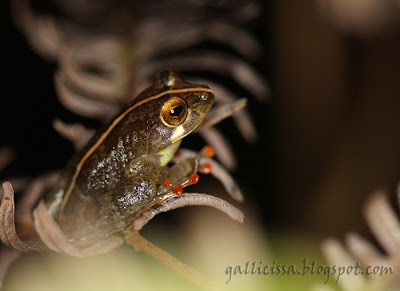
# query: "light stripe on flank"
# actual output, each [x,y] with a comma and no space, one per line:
[111,127]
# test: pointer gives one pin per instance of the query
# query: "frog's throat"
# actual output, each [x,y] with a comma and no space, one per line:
[168,153]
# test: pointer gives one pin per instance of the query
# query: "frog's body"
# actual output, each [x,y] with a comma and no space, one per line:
[119,172]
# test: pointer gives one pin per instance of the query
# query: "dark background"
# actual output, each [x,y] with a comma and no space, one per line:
[328,136]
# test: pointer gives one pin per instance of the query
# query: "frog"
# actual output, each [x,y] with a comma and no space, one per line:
[132,169]
[123,168]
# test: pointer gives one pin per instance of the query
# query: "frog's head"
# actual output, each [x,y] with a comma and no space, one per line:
[173,110]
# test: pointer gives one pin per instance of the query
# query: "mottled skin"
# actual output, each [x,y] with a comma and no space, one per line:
[112,180]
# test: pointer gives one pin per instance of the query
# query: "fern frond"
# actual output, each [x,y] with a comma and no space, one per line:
[385,227]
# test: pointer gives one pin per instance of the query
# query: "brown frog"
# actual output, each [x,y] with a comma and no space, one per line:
[123,168]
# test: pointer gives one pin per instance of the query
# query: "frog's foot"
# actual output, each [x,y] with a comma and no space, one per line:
[225,100]
[76,133]
[207,165]
[228,106]
[214,137]
[223,150]
[171,195]
[54,238]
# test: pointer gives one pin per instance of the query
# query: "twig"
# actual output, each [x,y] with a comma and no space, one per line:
[139,242]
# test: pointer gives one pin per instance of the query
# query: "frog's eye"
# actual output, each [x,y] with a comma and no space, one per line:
[174,111]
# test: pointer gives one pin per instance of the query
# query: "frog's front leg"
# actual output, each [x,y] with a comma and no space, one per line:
[207,165]
[184,173]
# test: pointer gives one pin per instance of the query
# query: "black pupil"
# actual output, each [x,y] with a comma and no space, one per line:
[176,111]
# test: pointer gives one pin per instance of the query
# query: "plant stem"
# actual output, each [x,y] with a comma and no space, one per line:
[139,242]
